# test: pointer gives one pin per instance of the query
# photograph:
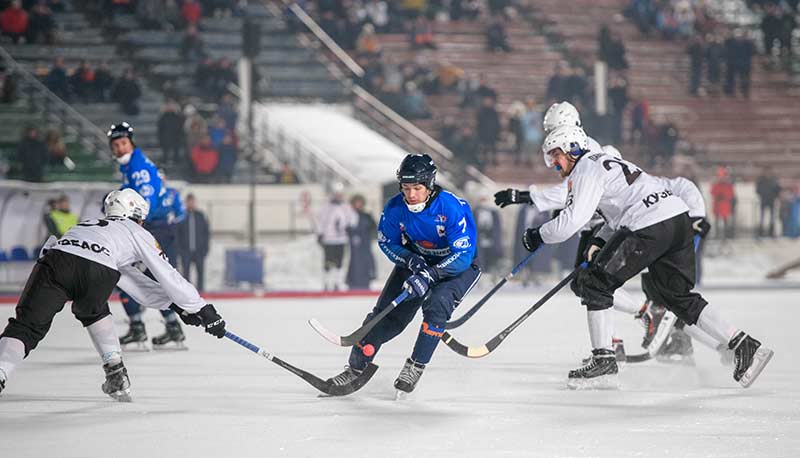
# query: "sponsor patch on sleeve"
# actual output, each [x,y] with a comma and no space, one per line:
[462,243]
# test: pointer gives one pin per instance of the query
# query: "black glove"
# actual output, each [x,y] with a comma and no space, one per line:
[531,239]
[189,319]
[211,321]
[595,244]
[415,263]
[701,226]
[418,284]
[511,196]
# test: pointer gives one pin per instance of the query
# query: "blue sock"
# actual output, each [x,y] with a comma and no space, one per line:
[428,338]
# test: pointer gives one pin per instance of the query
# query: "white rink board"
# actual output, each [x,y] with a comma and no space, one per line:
[219,400]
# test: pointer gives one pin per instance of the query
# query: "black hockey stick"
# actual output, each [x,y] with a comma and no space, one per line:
[322,385]
[488,347]
[355,336]
[463,318]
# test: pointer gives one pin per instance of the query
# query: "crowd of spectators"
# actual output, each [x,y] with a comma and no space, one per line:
[30,21]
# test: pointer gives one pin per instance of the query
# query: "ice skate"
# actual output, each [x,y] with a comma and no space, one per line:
[117,384]
[678,349]
[600,373]
[409,376]
[173,333]
[2,385]
[658,323]
[346,377]
[136,338]
[619,354]
[750,358]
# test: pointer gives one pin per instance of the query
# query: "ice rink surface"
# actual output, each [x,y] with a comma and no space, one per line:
[220,400]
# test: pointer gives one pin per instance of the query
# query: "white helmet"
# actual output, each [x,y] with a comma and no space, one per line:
[126,203]
[560,114]
[611,150]
[571,139]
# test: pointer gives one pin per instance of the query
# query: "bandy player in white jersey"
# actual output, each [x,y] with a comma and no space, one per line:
[84,266]
[647,226]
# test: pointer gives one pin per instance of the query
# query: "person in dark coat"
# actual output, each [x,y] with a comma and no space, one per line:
[696,53]
[32,155]
[170,132]
[127,93]
[715,54]
[361,269]
[488,122]
[768,189]
[193,241]
[530,216]
[490,244]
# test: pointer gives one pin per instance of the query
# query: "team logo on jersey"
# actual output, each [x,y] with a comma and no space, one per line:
[440,230]
[441,219]
[462,243]
[426,244]
[146,190]
[381,237]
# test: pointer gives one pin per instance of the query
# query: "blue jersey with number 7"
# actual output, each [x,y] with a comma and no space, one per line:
[443,233]
[141,175]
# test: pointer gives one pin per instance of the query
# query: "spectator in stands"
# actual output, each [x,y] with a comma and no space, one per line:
[204,74]
[414,105]
[771,27]
[195,126]
[666,22]
[715,54]
[618,96]
[532,130]
[192,12]
[448,132]
[448,76]
[216,130]
[640,118]
[227,110]
[684,18]
[14,21]
[228,151]
[668,138]
[330,25]
[368,43]
[696,53]
[57,6]
[56,148]
[150,14]
[361,267]
[421,34]
[103,82]
[8,82]
[32,155]
[377,13]
[205,159]
[722,195]
[515,112]
[768,189]
[467,148]
[739,52]
[556,84]
[490,235]
[192,45]
[127,93]
[224,75]
[488,122]
[496,36]
[56,80]
[193,237]
[464,9]
[170,132]
[286,175]
[789,23]
[41,25]
[612,51]
[118,7]
[643,13]
[82,82]
[498,7]
[576,87]
[60,219]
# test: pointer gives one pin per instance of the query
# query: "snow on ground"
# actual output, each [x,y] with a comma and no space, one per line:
[217,399]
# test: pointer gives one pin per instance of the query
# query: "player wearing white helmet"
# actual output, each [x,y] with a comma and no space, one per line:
[647,226]
[84,266]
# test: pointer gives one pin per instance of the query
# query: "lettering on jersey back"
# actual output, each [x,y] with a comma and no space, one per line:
[630,176]
[656,197]
[93,247]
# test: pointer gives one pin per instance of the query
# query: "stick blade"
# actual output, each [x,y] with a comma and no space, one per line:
[463,350]
[326,333]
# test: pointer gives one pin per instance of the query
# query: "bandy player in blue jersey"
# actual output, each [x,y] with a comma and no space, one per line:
[430,235]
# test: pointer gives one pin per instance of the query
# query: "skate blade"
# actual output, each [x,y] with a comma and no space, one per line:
[121,396]
[603,382]
[664,328]
[400,395]
[135,347]
[760,360]
[677,360]
[172,346]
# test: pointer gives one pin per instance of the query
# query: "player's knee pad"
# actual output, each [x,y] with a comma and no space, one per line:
[596,289]
[89,317]
[29,334]
[616,253]
[437,310]
[651,289]
[575,286]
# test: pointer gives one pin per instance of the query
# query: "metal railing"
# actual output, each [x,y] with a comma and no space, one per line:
[403,132]
[39,96]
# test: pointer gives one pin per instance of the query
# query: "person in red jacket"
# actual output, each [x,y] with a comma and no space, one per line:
[204,159]
[722,194]
[192,12]
[14,21]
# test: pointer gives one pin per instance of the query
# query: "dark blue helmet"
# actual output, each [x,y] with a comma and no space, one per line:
[120,130]
[417,168]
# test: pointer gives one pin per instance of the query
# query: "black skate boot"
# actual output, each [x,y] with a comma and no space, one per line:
[136,336]
[173,333]
[117,384]
[408,378]
[346,377]
[678,349]
[2,385]
[599,373]
[619,353]
[749,358]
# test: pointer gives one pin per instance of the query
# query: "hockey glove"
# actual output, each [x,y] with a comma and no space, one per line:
[595,244]
[415,263]
[531,239]
[189,319]
[418,284]
[701,227]
[211,321]
[511,196]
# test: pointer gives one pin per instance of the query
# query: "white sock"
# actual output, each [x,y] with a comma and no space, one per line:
[105,339]
[712,322]
[601,328]
[12,352]
[701,336]
[625,303]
